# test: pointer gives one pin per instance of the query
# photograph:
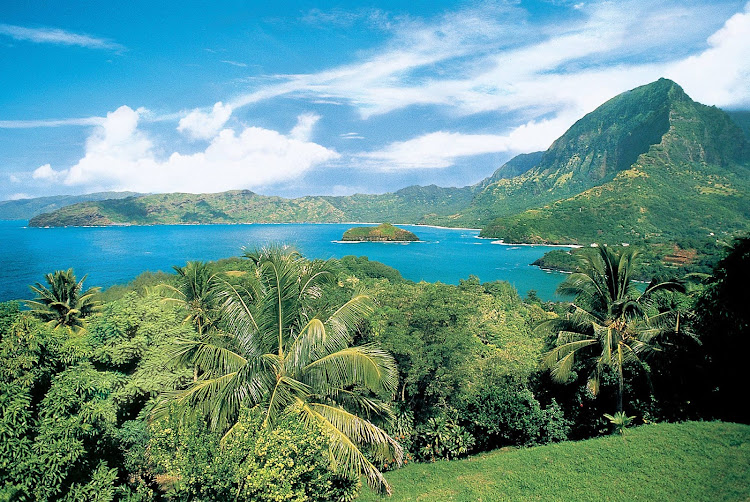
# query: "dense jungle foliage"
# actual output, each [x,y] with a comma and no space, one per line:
[122,404]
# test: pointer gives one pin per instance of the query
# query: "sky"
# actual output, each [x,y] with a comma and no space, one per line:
[301,98]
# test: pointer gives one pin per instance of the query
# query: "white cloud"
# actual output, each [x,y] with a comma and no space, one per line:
[25,124]
[305,123]
[14,179]
[720,75]
[441,149]
[121,157]
[19,195]
[351,135]
[46,173]
[493,59]
[57,36]
[200,125]
[234,63]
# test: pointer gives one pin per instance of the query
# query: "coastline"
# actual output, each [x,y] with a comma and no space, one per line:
[254,223]
[500,242]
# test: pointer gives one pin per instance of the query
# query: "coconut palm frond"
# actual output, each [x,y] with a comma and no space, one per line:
[284,349]
[367,366]
[345,431]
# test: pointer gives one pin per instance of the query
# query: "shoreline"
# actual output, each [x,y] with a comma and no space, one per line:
[250,223]
[500,242]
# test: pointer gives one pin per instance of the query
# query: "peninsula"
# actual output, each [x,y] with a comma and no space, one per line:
[385,232]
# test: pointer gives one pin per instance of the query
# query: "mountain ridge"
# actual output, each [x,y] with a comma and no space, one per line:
[27,208]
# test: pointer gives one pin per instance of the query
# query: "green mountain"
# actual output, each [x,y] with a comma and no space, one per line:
[590,153]
[24,209]
[742,119]
[411,204]
[675,171]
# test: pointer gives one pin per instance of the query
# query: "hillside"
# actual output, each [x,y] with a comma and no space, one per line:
[690,186]
[25,209]
[411,204]
[385,232]
[698,461]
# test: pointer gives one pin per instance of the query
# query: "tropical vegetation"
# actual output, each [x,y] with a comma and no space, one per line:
[284,349]
[382,232]
[63,303]
[610,324]
[272,377]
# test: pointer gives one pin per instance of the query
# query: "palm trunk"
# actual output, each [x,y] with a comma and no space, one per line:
[620,392]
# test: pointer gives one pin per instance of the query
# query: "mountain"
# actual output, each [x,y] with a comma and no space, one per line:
[650,166]
[742,119]
[24,209]
[411,204]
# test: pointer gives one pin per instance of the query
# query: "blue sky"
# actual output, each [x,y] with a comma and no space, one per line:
[297,98]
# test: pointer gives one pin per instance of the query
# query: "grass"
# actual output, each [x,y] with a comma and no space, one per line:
[692,461]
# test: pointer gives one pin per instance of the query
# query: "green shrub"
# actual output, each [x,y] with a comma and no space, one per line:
[251,463]
[508,414]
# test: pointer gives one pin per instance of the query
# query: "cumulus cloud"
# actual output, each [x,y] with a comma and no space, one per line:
[200,125]
[303,129]
[720,74]
[46,173]
[119,156]
[57,36]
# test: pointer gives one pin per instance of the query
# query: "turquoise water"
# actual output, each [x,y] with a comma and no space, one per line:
[113,255]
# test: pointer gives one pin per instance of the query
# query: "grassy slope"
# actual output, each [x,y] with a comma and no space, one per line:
[685,462]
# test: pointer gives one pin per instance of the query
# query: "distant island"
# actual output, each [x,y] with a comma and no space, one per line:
[385,232]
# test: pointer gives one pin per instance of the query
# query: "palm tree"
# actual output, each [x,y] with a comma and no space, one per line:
[197,292]
[609,327]
[63,303]
[286,351]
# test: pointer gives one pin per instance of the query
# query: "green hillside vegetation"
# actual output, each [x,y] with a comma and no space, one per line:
[385,232]
[697,461]
[690,186]
[742,119]
[24,209]
[590,153]
[411,204]
[89,408]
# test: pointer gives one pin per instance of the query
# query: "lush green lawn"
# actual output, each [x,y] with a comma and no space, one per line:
[685,462]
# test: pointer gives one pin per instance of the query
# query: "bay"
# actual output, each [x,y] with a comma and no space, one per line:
[116,255]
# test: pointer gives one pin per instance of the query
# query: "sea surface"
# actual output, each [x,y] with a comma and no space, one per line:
[116,255]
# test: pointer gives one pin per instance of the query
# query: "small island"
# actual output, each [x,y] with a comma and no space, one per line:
[384,232]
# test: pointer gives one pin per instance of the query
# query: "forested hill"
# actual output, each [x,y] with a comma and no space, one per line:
[24,209]
[412,204]
[683,176]
[650,165]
